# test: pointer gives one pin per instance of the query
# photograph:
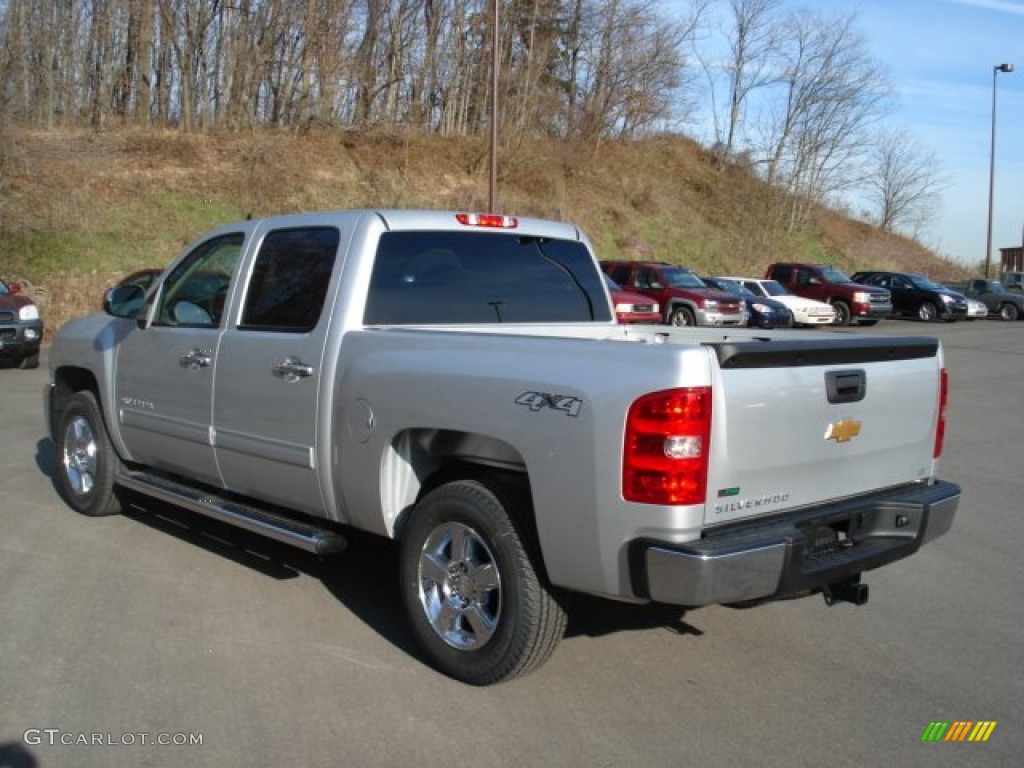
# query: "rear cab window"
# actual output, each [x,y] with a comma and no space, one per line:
[430,277]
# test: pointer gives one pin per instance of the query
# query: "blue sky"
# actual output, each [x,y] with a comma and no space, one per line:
[939,56]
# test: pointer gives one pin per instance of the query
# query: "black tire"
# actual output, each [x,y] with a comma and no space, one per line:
[29,361]
[927,312]
[473,590]
[1009,312]
[86,462]
[843,314]
[681,316]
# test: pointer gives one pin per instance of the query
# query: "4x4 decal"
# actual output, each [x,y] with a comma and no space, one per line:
[537,400]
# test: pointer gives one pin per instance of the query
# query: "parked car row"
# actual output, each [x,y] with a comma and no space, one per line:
[799,294]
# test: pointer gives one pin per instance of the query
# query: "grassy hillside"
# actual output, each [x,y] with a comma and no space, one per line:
[78,209]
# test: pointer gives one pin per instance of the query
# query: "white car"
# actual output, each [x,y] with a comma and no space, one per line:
[805,311]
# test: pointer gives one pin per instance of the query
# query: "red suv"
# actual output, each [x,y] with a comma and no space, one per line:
[685,299]
[853,302]
[21,330]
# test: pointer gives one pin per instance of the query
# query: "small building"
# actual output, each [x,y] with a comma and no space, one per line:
[1012,258]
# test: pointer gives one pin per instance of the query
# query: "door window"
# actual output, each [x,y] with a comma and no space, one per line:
[194,293]
[289,280]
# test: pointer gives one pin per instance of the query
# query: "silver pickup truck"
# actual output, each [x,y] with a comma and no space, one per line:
[458,382]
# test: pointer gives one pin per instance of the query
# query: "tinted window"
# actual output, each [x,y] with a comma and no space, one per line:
[422,278]
[195,291]
[289,280]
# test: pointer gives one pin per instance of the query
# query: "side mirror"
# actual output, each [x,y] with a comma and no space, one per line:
[124,301]
[656,286]
[14,287]
[814,281]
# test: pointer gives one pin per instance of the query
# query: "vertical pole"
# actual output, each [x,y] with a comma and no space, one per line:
[492,198]
[991,177]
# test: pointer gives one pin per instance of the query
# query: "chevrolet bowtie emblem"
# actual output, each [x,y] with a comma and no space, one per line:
[843,431]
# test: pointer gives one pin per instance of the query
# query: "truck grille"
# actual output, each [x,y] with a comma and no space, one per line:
[6,316]
[880,298]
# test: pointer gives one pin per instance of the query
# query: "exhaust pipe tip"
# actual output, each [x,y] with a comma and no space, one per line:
[848,591]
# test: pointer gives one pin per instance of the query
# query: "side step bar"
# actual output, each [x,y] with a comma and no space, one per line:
[304,535]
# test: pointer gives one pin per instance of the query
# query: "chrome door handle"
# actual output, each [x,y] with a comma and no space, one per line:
[293,369]
[196,359]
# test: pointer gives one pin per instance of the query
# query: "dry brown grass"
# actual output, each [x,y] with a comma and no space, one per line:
[79,209]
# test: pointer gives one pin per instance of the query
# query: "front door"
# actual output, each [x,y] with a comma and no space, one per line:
[270,365]
[164,381]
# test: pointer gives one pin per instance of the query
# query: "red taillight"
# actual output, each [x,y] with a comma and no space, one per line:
[667,441]
[492,220]
[940,426]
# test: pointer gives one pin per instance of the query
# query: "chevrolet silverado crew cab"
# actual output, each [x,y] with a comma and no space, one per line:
[685,299]
[458,383]
[853,302]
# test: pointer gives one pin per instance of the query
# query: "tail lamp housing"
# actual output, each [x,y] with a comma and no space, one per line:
[666,447]
[940,426]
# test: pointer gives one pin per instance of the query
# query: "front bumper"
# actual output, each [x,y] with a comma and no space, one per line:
[872,311]
[718,319]
[797,552]
[20,339]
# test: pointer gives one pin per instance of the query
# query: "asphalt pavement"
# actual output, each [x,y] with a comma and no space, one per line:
[120,633]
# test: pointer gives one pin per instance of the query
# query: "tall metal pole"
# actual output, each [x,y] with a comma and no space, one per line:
[992,167]
[492,193]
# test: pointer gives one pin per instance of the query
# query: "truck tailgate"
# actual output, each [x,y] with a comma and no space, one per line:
[810,421]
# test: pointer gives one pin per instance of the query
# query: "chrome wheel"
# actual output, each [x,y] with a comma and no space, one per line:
[927,311]
[80,456]
[87,465]
[459,586]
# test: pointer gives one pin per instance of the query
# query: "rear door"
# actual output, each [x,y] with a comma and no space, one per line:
[270,370]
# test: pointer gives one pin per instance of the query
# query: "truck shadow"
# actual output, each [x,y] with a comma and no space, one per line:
[364,576]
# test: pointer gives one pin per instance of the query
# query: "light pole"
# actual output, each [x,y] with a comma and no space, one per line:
[992,165]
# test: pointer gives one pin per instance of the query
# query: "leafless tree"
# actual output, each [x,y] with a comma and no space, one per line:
[905,181]
[829,94]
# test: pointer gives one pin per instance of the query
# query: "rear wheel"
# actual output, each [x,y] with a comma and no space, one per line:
[1009,312]
[927,312]
[681,316]
[86,462]
[843,314]
[473,591]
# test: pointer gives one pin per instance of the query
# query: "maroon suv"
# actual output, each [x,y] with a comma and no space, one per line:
[853,302]
[685,299]
[21,330]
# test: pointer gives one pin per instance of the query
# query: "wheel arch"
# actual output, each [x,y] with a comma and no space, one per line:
[422,459]
[67,380]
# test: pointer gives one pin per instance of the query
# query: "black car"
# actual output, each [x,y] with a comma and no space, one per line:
[917,296]
[763,313]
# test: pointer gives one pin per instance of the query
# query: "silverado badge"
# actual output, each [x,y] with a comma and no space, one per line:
[843,431]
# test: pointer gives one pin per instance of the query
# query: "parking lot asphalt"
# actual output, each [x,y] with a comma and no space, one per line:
[116,632]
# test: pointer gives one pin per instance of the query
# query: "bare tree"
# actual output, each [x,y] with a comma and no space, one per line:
[753,47]
[829,94]
[905,183]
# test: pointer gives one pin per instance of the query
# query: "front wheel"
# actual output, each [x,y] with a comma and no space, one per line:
[682,316]
[927,312]
[86,462]
[1009,312]
[478,605]
[843,314]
